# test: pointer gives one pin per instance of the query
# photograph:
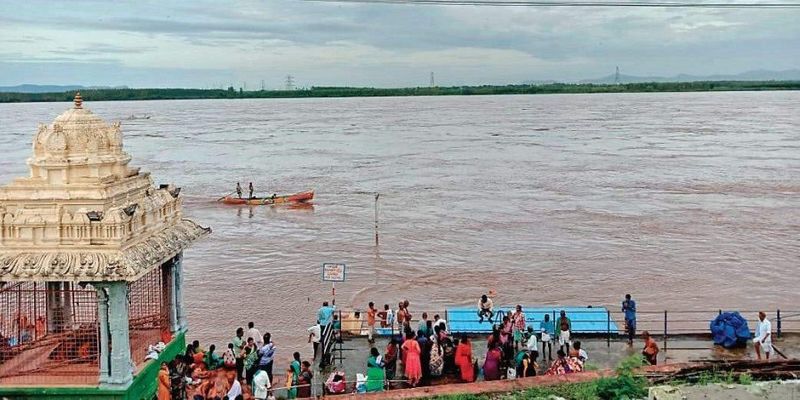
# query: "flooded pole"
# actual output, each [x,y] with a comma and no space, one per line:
[377,195]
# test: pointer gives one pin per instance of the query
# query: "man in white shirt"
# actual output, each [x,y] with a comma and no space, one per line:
[236,390]
[532,344]
[255,334]
[763,337]
[485,308]
[261,385]
[439,320]
[314,334]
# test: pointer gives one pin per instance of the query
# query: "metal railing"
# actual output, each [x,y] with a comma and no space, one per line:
[661,324]
[330,342]
[326,343]
[321,387]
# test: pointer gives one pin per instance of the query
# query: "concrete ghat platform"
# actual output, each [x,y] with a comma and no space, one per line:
[603,354]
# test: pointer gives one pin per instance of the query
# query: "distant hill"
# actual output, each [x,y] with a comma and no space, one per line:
[756,75]
[27,88]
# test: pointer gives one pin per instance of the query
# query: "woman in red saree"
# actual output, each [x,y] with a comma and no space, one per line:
[411,356]
[464,360]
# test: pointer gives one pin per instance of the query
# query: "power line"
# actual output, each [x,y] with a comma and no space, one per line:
[560,3]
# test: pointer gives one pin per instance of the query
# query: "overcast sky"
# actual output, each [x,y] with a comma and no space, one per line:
[217,43]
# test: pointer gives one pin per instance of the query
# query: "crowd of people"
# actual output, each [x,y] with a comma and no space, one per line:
[246,363]
[429,350]
[423,351]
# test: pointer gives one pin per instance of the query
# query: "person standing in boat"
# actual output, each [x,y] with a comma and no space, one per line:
[238,190]
[250,187]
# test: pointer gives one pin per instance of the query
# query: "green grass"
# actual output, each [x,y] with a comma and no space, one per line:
[714,376]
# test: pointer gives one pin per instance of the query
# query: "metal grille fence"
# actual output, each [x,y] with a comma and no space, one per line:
[48,333]
[149,312]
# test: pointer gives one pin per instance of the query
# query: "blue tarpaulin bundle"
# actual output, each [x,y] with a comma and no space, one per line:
[730,329]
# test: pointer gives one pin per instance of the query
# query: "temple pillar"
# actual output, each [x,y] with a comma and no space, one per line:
[177,293]
[102,320]
[53,306]
[66,305]
[168,294]
[120,365]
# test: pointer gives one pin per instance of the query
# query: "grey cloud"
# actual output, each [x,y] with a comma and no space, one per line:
[18,57]
[645,40]
[100,49]
[26,39]
[108,73]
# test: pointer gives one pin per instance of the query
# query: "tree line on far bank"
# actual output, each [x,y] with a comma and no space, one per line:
[551,88]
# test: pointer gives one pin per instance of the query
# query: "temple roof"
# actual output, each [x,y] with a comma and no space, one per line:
[127,264]
[78,146]
[83,214]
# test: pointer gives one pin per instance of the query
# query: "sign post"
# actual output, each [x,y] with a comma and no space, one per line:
[334,272]
[377,195]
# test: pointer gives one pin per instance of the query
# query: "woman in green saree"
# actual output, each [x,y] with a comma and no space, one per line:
[375,373]
[295,373]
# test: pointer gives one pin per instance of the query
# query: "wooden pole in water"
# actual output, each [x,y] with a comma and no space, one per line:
[377,195]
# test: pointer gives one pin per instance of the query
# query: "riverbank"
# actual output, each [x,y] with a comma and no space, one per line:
[690,365]
[553,88]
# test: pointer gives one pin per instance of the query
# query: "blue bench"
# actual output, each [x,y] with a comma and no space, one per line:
[594,320]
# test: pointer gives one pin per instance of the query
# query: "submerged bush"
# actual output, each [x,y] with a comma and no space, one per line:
[626,385]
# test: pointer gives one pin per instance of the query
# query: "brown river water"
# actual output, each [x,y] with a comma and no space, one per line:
[687,201]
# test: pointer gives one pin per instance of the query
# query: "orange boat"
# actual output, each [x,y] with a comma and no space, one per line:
[302,197]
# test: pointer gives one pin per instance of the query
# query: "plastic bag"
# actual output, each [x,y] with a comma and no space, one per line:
[361,383]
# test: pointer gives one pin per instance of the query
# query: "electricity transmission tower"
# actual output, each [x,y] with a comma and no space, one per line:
[616,77]
[433,83]
[289,82]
